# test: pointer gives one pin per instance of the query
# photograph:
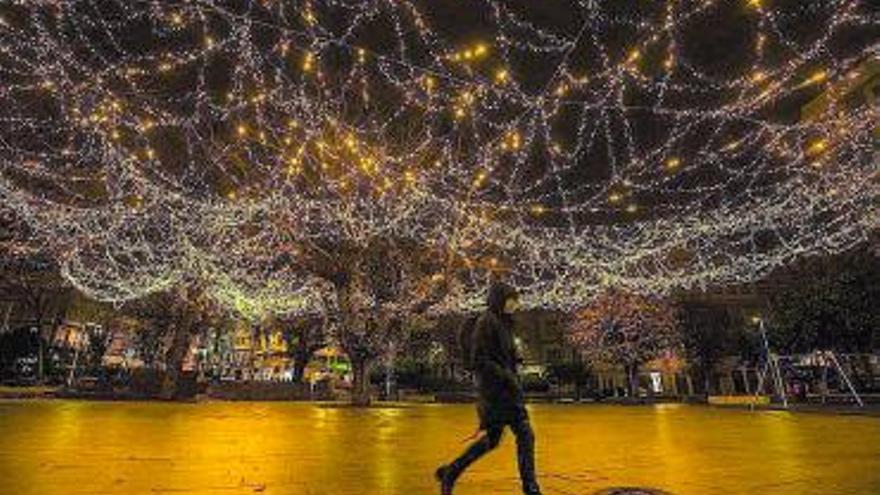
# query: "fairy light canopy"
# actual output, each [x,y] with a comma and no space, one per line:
[572,144]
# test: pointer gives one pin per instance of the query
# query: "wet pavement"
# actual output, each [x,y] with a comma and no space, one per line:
[72,448]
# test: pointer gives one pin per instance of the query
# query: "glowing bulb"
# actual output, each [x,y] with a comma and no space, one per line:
[816,78]
[481,177]
[430,83]
[817,147]
[731,146]
[308,62]
[634,55]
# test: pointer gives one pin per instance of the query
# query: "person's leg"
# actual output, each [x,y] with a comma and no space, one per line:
[479,448]
[525,450]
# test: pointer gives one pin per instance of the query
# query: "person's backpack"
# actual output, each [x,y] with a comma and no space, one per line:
[466,341]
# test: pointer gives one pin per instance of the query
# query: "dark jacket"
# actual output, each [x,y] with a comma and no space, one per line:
[495,358]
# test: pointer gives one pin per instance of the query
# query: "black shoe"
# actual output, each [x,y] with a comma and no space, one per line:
[446,482]
[532,490]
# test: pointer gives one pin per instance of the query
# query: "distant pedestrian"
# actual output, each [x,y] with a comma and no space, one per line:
[501,399]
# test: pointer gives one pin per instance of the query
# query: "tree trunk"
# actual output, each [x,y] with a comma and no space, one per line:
[360,391]
[302,352]
[40,363]
[174,360]
[633,380]
[299,369]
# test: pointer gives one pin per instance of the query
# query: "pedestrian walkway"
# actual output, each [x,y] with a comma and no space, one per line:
[54,447]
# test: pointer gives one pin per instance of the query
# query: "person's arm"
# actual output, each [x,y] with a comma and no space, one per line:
[485,356]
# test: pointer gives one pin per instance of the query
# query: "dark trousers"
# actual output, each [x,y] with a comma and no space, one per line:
[525,449]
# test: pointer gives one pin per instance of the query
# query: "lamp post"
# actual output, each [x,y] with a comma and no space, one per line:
[772,362]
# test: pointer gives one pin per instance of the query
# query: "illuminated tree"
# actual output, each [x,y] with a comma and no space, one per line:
[625,329]
[271,152]
[169,321]
[377,292]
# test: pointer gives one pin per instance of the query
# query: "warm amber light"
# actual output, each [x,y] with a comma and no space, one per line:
[817,147]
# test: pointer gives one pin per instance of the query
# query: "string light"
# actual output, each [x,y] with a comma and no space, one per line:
[219,142]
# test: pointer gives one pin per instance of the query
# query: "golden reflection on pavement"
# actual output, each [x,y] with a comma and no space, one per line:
[72,448]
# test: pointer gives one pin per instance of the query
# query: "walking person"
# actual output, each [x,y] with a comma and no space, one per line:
[501,401]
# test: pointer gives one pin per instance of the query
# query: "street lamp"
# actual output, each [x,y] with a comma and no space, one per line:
[772,363]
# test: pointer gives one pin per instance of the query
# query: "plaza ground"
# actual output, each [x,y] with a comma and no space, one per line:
[53,447]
